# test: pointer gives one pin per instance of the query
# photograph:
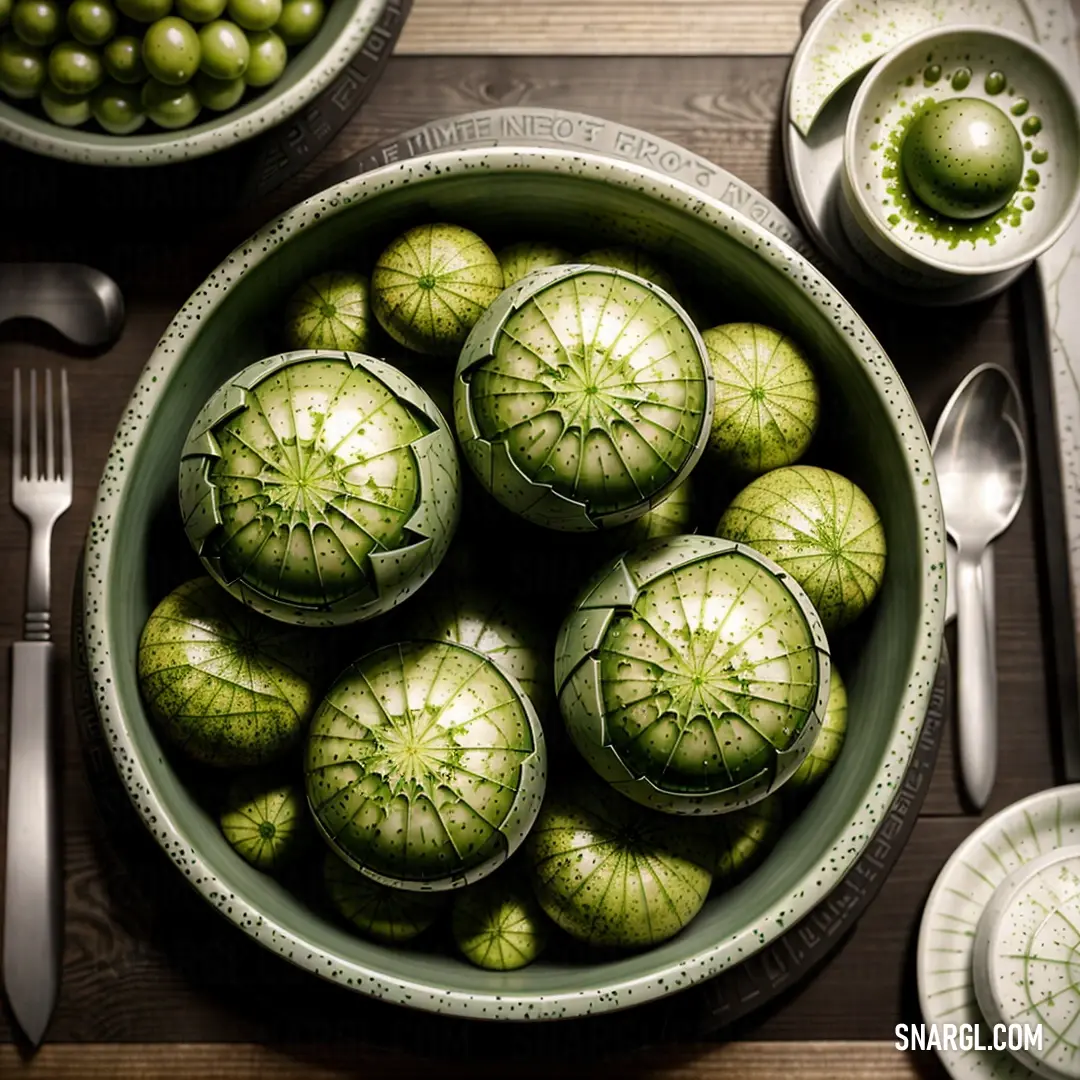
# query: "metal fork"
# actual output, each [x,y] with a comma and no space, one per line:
[33,900]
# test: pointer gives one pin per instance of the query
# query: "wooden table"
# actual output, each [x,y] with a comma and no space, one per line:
[140,998]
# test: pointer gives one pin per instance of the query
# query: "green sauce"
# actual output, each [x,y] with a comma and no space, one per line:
[1032,126]
[995,83]
[1020,107]
[961,79]
[1039,156]
[931,74]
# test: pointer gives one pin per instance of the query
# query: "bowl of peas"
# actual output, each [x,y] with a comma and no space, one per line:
[146,82]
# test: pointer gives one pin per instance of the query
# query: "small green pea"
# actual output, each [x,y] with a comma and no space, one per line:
[118,108]
[200,11]
[145,11]
[225,50]
[300,21]
[37,22]
[218,95]
[254,14]
[170,107]
[68,110]
[75,68]
[171,52]
[268,58]
[123,59]
[92,22]
[22,68]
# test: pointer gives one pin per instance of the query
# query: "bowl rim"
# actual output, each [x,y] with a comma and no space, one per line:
[222,130]
[892,243]
[670,974]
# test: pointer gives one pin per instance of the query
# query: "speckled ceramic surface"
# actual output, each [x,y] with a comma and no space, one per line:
[1011,840]
[1026,962]
[1037,110]
[502,191]
[347,26]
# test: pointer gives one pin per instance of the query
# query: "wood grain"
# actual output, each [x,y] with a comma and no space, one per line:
[602,27]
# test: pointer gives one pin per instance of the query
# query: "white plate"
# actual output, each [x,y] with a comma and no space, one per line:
[1017,835]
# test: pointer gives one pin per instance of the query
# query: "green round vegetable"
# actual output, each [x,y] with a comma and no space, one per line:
[300,20]
[744,837]
[523,258]
[963,158]
[254,14]
[633,261]
[118,108]
[224,685]
[821,528]
[331,311]
[93,22]
[122,57]
[218,94]
[224,50]
[432,284]
[145,11]
[264,821]
[75,68]
[170,107]
[425,765]
[268,58]
[498,925]
[320,488]
[67,110]
[200,11]
[691,676]
[171,51]
[383,913]
[827,746]
[22,68]
[583,396]
[37,22]
[767,399]
[612,873]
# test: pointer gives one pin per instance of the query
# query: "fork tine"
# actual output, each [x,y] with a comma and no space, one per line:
[34,474]
[50,449]
[65,420]
[16,431]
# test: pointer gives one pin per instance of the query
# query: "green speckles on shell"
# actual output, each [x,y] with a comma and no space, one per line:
[691,676]
[744,837]
[498,925]
[766,397]
[226,686]
[582,398]
[382,913]
[827,746]
[265,821]
[425,765]
[330,311]
[432,284]
[821,528]
[320,488]
[614,874]
[518,260]
[633,261]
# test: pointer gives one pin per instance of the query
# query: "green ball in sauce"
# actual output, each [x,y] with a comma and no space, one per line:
[963,158]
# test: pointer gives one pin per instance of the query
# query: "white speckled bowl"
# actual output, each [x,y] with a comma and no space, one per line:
[870,212]
[504,193]
[313,68]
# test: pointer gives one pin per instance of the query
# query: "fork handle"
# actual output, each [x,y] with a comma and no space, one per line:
[33,900]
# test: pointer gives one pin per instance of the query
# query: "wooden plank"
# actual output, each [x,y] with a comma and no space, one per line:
[602,27]
[736,1061]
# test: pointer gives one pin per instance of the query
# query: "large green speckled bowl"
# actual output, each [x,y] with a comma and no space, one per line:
[509,193]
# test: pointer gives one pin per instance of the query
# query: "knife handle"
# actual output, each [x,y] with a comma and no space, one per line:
[33,899]
[977,698]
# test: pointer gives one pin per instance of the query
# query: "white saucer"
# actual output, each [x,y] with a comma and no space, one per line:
[814,162]
[1016,836]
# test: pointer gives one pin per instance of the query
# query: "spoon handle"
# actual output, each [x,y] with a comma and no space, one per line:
[977,698]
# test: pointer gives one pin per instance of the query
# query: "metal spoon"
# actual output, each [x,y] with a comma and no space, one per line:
[981,464]
[81,303]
